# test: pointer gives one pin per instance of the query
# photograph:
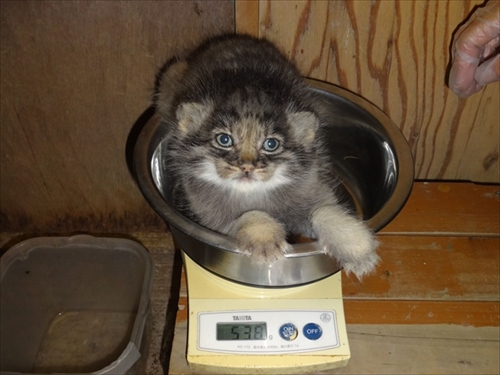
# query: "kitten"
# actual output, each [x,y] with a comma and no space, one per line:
[244,147]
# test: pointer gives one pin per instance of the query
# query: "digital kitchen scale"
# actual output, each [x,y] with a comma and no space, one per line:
[239,329]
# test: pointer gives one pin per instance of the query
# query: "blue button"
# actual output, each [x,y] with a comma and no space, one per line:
[312,331]
[288,332]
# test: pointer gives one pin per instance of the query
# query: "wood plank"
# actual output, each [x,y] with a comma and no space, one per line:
[75,77]
[437,208]
[161,248]
[247,17]
[422,349]
[395,54]
[477,314]
[182,313]
[431,268]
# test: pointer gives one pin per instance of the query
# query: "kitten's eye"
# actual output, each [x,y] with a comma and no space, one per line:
[271,144]
[224,140]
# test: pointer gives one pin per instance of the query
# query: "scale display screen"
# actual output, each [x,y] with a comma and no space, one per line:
[242,331]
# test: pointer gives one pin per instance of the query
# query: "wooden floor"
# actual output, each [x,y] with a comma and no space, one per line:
[440,261]
[431,307]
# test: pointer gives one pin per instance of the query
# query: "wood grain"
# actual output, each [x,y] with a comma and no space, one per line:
[449,209]
[431,268]
[395,54]
[75,77]
[247,17]
[477,314]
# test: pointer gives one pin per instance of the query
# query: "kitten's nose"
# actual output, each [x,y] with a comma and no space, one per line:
[247,167]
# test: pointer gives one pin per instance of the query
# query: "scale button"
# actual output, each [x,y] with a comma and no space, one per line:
[288,332]
[312,331]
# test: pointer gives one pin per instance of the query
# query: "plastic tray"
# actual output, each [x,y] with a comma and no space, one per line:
[74,305]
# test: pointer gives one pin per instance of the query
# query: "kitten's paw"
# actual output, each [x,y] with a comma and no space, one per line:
[267,252]
[347,239]
[362,265]
[264,243]
[354,247]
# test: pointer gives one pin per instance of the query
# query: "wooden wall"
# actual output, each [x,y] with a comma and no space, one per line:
[395,54]
[76,75]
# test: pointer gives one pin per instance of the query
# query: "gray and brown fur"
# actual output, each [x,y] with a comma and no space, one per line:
[245,88]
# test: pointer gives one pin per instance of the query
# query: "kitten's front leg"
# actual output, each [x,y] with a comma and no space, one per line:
[346,238]
[260,236]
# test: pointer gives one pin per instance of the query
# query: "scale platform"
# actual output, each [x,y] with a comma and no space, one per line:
[238,329]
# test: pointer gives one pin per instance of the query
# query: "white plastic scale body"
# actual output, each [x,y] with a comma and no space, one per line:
[238,329]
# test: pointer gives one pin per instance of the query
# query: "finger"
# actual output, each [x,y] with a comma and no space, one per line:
[481,29]
[489,71]
[462,72]
[491,49]
[474,40]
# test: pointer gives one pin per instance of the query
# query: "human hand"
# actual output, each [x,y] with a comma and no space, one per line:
[475,54]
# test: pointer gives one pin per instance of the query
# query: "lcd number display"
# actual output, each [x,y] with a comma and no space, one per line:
[242,331]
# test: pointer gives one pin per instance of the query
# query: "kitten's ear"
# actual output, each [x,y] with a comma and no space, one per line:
[191,115]
[168,84]
[304,125]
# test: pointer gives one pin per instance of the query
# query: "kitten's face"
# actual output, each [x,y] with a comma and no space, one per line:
[245,152]
[246,156]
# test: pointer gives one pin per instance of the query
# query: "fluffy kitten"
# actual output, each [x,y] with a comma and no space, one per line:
[245,151]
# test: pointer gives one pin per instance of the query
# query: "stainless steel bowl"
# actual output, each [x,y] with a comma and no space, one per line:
[369,155]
